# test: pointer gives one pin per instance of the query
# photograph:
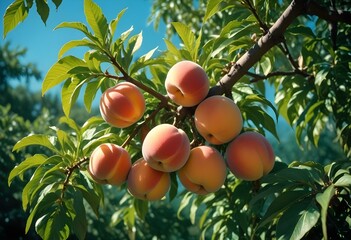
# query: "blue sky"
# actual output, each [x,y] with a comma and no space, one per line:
[43,43]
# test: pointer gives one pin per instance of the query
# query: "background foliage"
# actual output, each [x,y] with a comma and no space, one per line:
[307,195]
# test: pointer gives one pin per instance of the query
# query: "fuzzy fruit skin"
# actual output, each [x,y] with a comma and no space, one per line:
[218,119]
[187,83]
[204,172]
[122,105]
[147,183]
[166,148]
[109,163]
[250,156]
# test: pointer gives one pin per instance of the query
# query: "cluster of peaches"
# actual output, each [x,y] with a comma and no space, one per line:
[166,148]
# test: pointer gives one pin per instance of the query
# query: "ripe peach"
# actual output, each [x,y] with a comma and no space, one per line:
[250,156]
[218,119]
[122,105]
[166,148]
[187,83]
[109,163]
[204,172]
[147,183]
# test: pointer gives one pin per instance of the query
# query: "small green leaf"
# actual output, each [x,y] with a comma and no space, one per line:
[70,92]
[344,181]
[57,3]
[90,92]
[141,207]
[28,163]
[38,139]
[96,19]
[184,203]
[212,8]
[113,24]
[324,199]
[188,38]
[60,72]
[42,9]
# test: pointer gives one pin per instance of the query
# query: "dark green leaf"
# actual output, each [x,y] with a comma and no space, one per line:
[42,9]
[297,220]
[57,3]
[324,199]
[141,207]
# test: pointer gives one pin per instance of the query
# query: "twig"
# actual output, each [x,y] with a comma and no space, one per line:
[69,172]
[137,128]
[258,77]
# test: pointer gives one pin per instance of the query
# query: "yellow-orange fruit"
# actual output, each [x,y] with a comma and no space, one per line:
[187,83]
[204,172]
[122,105]
[109,163]
[166,148]
[218,119]
[250,156]
[147,183]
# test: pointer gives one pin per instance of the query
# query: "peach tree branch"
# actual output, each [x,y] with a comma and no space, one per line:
[273,37]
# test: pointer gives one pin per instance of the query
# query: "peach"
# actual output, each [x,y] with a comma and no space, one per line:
[187,83]
[218,119]
[122,105]
[250,156]
[166,148]
[147,183]
[109,163]
[204,172]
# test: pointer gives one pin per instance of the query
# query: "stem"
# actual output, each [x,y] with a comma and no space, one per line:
[128,78]
[257,77]
[69,171]
[137,128]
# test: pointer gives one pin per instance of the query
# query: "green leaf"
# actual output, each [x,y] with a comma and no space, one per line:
[188,38]
[141,207]
[70,92]
[184,203]
[60,72]
[212,8]
[113,24]
[75,43]
[42,9]
[90,92]
[28,163]
[281,203]
[96,19]
[344,181]
[15,13]
[38,139]
[297,220]
[324,199]
[44,202]
[57,3]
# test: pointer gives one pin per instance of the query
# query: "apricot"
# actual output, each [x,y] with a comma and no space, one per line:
[147,183]
[187,83]
[250,156]
[204,172]
[122,105]
[166,148]
[109,163]
[218,119]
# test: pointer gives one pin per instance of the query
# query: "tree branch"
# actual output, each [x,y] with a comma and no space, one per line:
[265,43]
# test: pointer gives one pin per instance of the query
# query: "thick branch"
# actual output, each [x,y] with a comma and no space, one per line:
[265,43]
